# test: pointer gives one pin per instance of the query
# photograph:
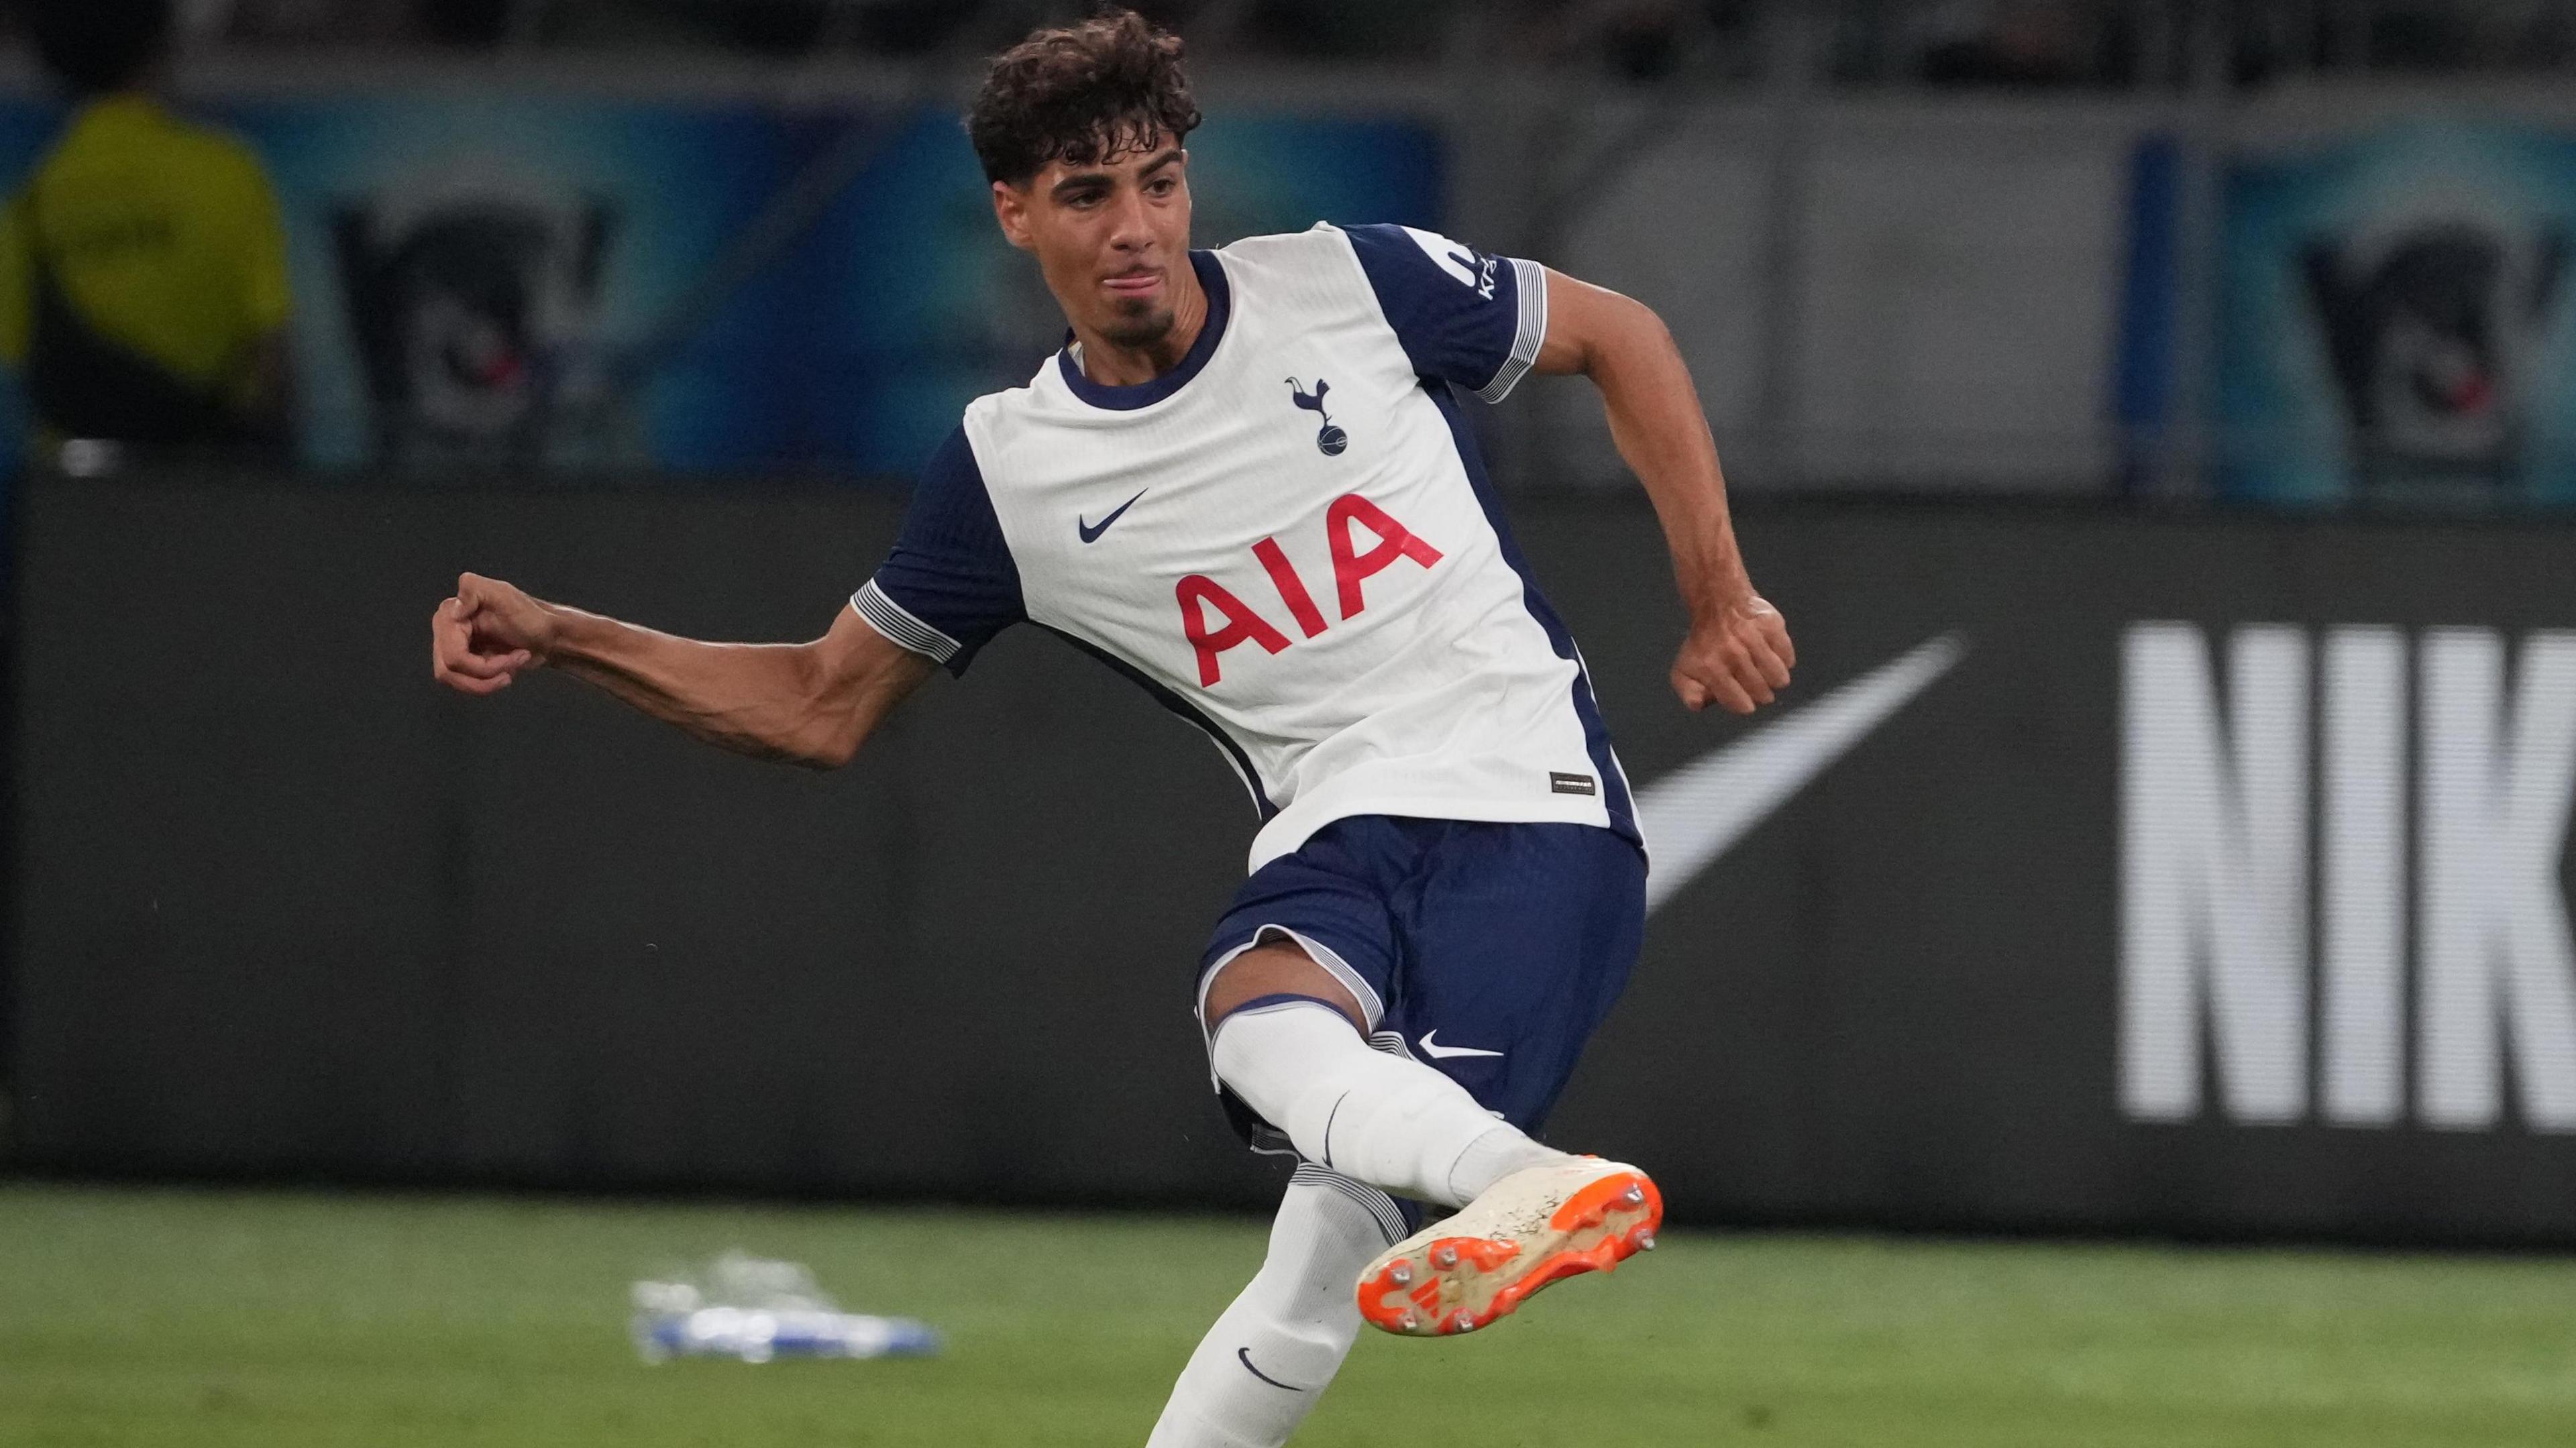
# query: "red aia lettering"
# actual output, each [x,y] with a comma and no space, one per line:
[1198,593]
[1292,589]
[1394,541]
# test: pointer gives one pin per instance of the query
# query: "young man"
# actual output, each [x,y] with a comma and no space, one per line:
[1246,483]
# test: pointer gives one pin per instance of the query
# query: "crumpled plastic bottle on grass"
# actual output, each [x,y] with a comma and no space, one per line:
[756,1309]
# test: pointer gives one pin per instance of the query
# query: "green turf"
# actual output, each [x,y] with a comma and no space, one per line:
[275,1320]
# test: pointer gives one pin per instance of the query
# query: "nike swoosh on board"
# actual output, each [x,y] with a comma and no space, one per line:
[1695,814]
[1091,532]
[1447,1053]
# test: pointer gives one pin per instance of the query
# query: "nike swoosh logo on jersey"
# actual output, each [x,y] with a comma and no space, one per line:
[1695,814]
[1449,1053]
[1091,533]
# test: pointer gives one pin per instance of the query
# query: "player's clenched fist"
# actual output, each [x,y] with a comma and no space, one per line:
[1736,657]
[480,639]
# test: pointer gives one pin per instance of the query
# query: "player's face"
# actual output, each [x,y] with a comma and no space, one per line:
[1112,238]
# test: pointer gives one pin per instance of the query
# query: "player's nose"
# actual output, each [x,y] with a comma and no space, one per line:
[1132,227]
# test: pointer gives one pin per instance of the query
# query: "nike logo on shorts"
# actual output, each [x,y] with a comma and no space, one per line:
[1445,1053]
[1091,533]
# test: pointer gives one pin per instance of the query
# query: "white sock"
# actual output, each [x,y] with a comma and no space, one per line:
[1495,1155]
[1387,1120]
[1259,1371]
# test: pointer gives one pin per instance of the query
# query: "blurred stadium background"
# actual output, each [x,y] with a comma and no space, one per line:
[2125,998]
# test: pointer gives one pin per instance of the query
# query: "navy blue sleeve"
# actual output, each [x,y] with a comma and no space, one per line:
[1463,316]
[950,584]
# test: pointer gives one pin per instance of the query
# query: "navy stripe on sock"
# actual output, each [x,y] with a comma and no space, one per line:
[1389,1216]
[1283,998]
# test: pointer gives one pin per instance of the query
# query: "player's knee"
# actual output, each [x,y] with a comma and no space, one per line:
[1277,967]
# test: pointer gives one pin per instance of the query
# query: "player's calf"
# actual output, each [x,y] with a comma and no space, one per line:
[1534,1227]
[1264,1365]
[1386,1120]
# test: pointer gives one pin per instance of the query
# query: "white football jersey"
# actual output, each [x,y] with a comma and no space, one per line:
[1289,539]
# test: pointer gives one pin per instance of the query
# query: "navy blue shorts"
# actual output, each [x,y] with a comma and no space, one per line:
[1489,951]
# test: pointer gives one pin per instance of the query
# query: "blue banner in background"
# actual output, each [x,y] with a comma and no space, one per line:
[473,274]
[2394,320]
[604,283]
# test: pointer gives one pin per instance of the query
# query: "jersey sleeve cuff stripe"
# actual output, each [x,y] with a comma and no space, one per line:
[899,624]
[1530,282]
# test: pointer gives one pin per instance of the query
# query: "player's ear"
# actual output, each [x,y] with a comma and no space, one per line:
[1011,210]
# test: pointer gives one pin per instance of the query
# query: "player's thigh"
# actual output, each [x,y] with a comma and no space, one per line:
[1277,967]
[1317,918]
[1519,942]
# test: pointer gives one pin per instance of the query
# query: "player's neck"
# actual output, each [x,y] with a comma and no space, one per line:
[1111,365]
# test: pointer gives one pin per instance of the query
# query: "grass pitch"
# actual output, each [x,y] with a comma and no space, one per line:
[150,1318]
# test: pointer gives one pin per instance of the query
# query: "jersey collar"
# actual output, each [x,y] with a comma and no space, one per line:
[1211,274]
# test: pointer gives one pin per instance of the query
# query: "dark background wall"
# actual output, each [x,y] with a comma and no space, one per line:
[286,907]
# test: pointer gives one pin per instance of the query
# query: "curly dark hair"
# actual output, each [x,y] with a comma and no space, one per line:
[1082,94]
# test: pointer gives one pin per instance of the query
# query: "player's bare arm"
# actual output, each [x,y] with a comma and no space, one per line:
[812,703]
[1738,651]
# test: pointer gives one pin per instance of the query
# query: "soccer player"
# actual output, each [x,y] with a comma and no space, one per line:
[1246,483]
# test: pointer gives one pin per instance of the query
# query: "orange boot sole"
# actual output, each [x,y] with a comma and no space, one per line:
[1460,1275]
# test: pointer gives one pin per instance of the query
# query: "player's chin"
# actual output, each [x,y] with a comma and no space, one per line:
[1138,324]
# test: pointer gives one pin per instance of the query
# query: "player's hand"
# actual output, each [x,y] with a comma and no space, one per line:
[1737,656]
[483,637]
